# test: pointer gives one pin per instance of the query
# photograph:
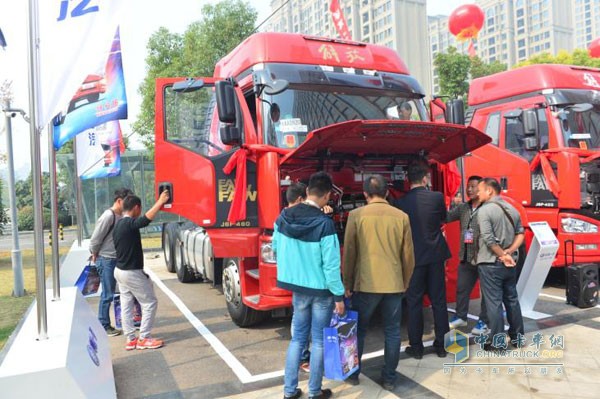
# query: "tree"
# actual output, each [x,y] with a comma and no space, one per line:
[453,70]
[3,215]
[195,53]
[578,57]
[456,69]
[480,68]
[24,195]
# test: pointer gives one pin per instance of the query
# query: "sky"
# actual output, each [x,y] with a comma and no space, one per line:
[175,15]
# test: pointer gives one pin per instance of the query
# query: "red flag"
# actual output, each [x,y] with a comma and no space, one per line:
[121,141]
[339,21]
[472,52]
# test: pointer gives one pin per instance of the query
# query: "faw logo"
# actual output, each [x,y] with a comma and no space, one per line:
[538,182]
[226,188]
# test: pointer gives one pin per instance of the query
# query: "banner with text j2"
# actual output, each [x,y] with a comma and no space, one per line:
[100,98]
[98,151]
[71,39]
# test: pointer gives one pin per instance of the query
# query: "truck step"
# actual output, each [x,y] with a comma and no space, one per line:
[254,273]
[253,298]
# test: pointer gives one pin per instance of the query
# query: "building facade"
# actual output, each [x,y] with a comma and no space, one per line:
[514,30]
[398,24]
[586,21]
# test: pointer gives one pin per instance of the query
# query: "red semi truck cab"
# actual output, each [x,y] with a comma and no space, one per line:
[544,122]
[279,108]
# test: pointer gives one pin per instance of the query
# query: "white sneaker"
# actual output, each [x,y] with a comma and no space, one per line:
[480,328]
[457,322]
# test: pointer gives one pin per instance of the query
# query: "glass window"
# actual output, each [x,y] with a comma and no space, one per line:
[521,43]
[514,138]
[191,121]
[522,53]
[520,12]
[301,111]
[492,128]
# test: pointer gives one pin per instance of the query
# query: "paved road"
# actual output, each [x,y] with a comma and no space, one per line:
[208,356]
[26,239]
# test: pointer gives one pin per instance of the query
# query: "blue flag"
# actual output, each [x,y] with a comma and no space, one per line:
[100,98]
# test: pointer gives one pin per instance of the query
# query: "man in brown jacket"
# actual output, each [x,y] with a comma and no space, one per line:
[378,264]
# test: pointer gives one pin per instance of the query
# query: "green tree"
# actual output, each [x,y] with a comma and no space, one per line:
[3,215]
[195,53]
[578,57]
[480,68]
[453,70]
[24,195]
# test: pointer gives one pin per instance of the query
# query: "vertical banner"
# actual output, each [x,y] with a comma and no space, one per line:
[70,34]
[100,98]
[339,21]
[98,151]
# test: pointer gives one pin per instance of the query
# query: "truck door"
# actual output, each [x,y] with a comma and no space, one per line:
[190,156]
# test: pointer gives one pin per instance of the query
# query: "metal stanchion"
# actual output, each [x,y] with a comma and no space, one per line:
[36,171]
[79,197]
[54,215]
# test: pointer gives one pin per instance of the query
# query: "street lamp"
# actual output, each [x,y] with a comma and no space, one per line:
[17,262]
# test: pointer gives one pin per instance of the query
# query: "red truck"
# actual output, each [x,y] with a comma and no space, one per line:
[279,108]
[544,122]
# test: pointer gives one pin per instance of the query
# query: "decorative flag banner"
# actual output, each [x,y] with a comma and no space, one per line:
[100,98]
[98,151]
[2,40]
[70,34]
[339,21]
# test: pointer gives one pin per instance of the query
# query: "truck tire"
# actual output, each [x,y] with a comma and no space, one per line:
[242,315]
[168,244]
[183,271]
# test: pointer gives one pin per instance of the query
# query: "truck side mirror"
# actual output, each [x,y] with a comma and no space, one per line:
[230,135]
[225,101]
[455,112]
[530,122]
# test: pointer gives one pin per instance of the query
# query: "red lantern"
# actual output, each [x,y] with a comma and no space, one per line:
[594,48]
[466,21]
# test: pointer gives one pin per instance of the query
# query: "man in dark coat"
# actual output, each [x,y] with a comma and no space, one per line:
[427,213]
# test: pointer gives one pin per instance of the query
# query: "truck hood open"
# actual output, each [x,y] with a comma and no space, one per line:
[441,142]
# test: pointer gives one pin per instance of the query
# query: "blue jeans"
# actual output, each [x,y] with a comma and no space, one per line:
[499,286]
[391,312]
[106,270]
[311,315]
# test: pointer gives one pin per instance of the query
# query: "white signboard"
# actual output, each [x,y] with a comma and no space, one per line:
[535,270]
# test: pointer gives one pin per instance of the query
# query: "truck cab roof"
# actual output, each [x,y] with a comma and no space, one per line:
[531,79]
[304,49]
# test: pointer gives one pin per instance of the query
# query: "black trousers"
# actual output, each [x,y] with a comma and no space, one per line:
[499,285]
[467,277]
[427,279]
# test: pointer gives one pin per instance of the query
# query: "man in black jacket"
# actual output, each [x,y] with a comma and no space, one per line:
[427,213]
[133,282]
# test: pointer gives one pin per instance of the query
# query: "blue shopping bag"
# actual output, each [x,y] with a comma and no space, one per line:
[340,346]
[137,312]
[89,280]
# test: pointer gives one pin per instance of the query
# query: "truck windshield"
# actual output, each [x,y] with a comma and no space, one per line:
[580,129]
[291,115]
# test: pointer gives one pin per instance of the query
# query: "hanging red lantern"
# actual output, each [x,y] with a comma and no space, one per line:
[594,48]
[466,21]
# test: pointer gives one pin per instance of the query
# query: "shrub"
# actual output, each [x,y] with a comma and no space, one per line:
[25,218]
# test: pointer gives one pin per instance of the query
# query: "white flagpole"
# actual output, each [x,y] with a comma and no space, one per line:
[36,169]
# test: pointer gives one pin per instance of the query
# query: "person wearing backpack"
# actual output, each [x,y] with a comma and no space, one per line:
[104,256]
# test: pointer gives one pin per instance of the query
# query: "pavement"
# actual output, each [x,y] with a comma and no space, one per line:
[207,356]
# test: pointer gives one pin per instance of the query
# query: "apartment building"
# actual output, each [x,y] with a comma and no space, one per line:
[398,24]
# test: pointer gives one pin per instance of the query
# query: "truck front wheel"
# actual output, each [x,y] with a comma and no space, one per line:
[168,243]
[241,314]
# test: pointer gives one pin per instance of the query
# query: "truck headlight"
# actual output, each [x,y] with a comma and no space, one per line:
[574,225]
[267,254]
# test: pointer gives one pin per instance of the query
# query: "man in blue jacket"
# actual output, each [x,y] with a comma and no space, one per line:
[308,264]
